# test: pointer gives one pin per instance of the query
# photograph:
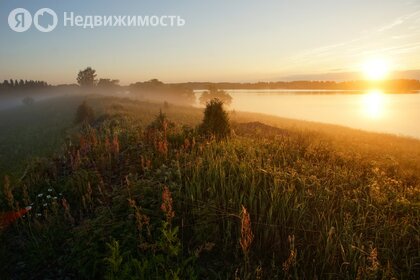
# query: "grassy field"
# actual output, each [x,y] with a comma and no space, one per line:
[34,131]
[137,197]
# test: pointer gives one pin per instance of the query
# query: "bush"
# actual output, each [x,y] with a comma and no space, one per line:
[84,114]
[216,120]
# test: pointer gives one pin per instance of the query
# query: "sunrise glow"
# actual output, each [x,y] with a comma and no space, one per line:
[376,69]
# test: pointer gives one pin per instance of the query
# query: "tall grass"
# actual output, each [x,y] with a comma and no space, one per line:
[138,201]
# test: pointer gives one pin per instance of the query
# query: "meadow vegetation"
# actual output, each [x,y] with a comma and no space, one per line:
[141,192]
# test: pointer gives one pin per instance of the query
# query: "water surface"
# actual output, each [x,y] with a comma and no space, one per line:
[370,110]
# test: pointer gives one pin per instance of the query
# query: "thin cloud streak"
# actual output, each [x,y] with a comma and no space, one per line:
[399,21]
[371,43]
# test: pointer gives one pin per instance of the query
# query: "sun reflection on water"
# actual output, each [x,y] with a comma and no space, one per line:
[373,103]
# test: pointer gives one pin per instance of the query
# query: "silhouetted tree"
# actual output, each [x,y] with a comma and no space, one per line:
[155,89]
[213,93]
[108,83]
[86,78]
[216,120]
[153,84]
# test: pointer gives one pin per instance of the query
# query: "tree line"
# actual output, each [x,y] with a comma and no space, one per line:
[87,78]
[22,84]
[395,85]
[153,89]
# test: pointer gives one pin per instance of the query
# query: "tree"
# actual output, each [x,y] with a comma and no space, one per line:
[108,83]
[86,78]
[213,93]
[216,120]
[153,84]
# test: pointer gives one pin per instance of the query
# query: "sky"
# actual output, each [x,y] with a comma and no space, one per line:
[235,40]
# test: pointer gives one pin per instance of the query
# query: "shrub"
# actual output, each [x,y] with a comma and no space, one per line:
[84,114]
[216,120]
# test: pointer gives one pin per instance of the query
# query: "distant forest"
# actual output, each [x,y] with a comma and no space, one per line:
[394,86]
[401,85]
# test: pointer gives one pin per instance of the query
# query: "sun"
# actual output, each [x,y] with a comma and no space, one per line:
[376,69]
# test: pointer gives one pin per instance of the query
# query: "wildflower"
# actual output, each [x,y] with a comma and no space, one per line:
[50,190]
[8,218]
[246,232]
[40,195]
[48,196]
[38,214]
[166,206]
[45,204]
[373,260]
[115,145]
[162,147]
[141,219]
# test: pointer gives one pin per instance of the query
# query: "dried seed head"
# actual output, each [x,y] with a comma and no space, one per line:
[167,206]
[246,232]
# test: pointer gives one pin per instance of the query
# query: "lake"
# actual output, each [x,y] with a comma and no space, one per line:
[372,110]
